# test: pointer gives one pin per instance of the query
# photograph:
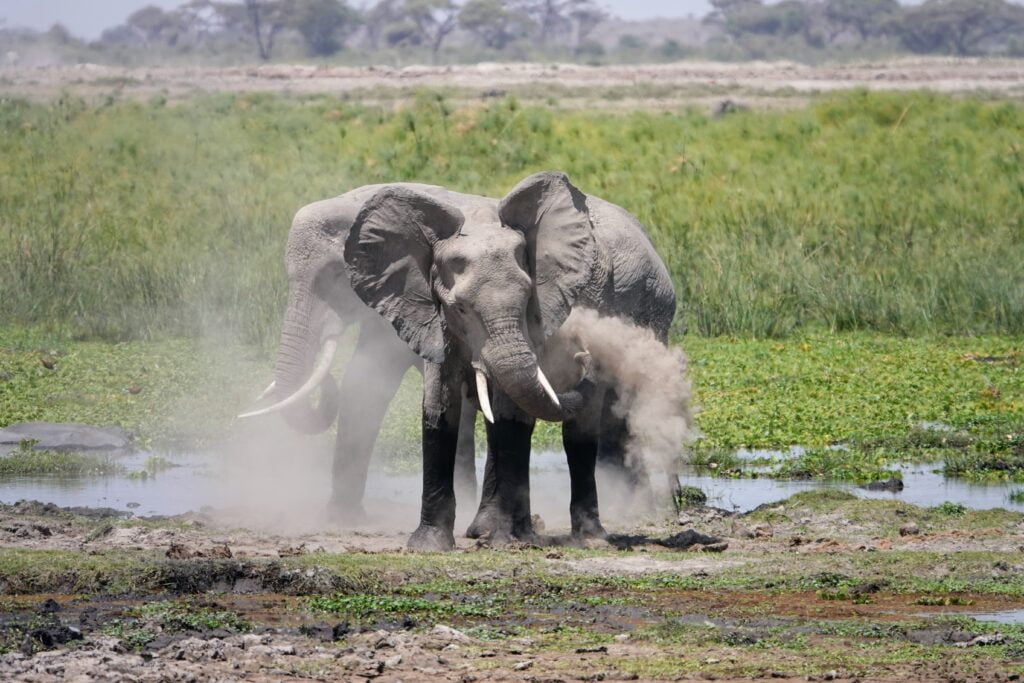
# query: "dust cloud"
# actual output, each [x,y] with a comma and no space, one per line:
[270,478]
[650,378]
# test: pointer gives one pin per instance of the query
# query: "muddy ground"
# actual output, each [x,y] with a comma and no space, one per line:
[822,586]
[626,87]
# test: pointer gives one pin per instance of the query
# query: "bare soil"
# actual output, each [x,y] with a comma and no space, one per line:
[750,84]
[614,624]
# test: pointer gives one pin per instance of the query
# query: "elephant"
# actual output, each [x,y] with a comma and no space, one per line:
[321,305]
[478,287]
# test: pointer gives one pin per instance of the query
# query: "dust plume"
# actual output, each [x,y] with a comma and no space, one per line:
[650,379]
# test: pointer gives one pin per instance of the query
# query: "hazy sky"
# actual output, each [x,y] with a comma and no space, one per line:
[87,18]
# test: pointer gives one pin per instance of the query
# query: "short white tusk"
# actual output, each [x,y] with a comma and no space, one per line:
[481,394]
[266,392]
[319,372]
[547,387]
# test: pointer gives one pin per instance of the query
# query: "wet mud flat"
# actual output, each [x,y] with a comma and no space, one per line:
[821,586]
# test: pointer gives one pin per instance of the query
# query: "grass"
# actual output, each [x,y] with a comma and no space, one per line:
[124,220]
[26,461]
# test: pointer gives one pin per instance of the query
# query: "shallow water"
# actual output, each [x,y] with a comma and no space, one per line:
[203,480]
[1010,616]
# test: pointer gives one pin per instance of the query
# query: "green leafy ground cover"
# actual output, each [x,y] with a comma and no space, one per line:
[870,391]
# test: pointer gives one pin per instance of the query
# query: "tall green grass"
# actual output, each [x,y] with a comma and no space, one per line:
[895,212]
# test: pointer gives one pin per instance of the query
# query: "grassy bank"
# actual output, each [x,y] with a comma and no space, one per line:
[889,212]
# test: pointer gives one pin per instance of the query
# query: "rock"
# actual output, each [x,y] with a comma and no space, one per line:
[986,639]
[909,529]
[523,666]
[450,634]
[893,485]
[221,551]
[538,523]
[51,436]
[179,551]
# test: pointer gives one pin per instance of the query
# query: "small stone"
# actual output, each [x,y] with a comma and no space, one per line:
[392,662]
[523,666]
[685,520]
[909,529]
[712,660]
[621,638]
[449,633]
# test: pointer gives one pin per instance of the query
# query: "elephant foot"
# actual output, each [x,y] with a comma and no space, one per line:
[431,539]
[499,528]
[587,526]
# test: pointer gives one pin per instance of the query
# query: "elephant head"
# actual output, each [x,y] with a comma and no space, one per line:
[488,282]
[319,299]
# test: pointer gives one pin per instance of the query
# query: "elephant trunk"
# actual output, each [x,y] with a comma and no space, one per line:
[300,342]
[513,366]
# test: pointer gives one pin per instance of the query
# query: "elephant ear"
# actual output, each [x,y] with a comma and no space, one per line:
[389,252]
[553,216]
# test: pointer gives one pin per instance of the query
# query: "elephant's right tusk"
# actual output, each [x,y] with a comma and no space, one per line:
[547,387]
[481,394]
[266,392]
[321,370]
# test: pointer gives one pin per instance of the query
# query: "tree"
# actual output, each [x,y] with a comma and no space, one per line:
[434,21]
[495,23]
[963,27]
[866,18]
[560,16]
[322,23]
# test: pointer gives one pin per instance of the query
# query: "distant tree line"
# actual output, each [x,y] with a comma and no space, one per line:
[956,27]
[473,30]
[325,27]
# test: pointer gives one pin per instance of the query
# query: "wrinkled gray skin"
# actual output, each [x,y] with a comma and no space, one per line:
[321,304]
[473,283]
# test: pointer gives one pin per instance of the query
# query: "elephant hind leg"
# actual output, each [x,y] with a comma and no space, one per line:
[612,442]
[465,455]
[371,380]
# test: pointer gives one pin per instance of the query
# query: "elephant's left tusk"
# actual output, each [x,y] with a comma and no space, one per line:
[321,370]
[266,392]
[481,394]
[547,387]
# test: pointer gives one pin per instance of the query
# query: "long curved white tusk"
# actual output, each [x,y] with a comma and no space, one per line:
[319,372]
[547,387]
[481,394]
[266,392]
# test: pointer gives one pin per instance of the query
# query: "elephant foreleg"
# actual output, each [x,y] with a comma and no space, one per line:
[504,511]
[371,380]
[441,417]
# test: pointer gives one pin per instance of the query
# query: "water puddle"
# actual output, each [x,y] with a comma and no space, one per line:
[205,480]
[1010,616]
[922,485]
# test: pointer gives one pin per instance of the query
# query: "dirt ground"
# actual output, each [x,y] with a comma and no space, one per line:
[819,587]
[752,84]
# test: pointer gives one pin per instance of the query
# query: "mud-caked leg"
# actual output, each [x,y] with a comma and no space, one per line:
[441,412]
[504,512]
[581,453]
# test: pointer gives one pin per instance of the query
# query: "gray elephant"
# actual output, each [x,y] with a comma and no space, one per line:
[321,305]
[477,287]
